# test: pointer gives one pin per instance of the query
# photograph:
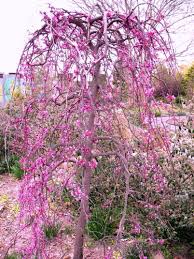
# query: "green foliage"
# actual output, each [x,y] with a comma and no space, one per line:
[8,161]
[6,141]
[107,197]
[134,251]
[158,113]
[179,227]
[15,168]
[166,252]
[188,81]
[51,231]
[69,201]
[185,233]
[13,256]
[192,250]
[103,222]
[11,164]
[66,196]
[111,191]
[3,166]
[106,200]
[179,100]
[3,162]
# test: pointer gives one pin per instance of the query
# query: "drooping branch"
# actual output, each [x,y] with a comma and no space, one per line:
[78,112]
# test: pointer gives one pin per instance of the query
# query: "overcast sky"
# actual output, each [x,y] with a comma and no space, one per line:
[18,17]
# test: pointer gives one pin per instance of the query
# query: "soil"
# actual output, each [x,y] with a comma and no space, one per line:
[12,239]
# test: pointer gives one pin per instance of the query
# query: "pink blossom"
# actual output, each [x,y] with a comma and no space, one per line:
[87,133]
[93,164]
[170,98]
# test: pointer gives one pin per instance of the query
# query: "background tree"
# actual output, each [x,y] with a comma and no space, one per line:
[168,82]
[188,81]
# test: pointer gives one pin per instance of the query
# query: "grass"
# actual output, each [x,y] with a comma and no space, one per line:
[15,168]
[51,231]
[158,114]
[13,256]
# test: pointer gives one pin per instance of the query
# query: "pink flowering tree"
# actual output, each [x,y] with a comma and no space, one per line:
[86,62]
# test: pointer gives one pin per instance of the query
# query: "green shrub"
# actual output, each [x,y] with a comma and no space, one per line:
[158,113]
[192,248]
[11,164]
[179,100]
[103,222]
[15,168]
[70,201]
[51,231]
[3,162]
[8,161]
[166,252]
[13,256]
[3,166]
[134,251]
[185,233]
[6,164]
[187,82]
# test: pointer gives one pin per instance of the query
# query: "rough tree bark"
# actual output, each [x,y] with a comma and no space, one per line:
[87,171]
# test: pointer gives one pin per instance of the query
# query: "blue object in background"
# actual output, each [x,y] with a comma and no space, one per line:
[8,84]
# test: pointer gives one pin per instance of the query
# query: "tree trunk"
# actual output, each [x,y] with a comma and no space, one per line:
[87,172]
[79,241]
